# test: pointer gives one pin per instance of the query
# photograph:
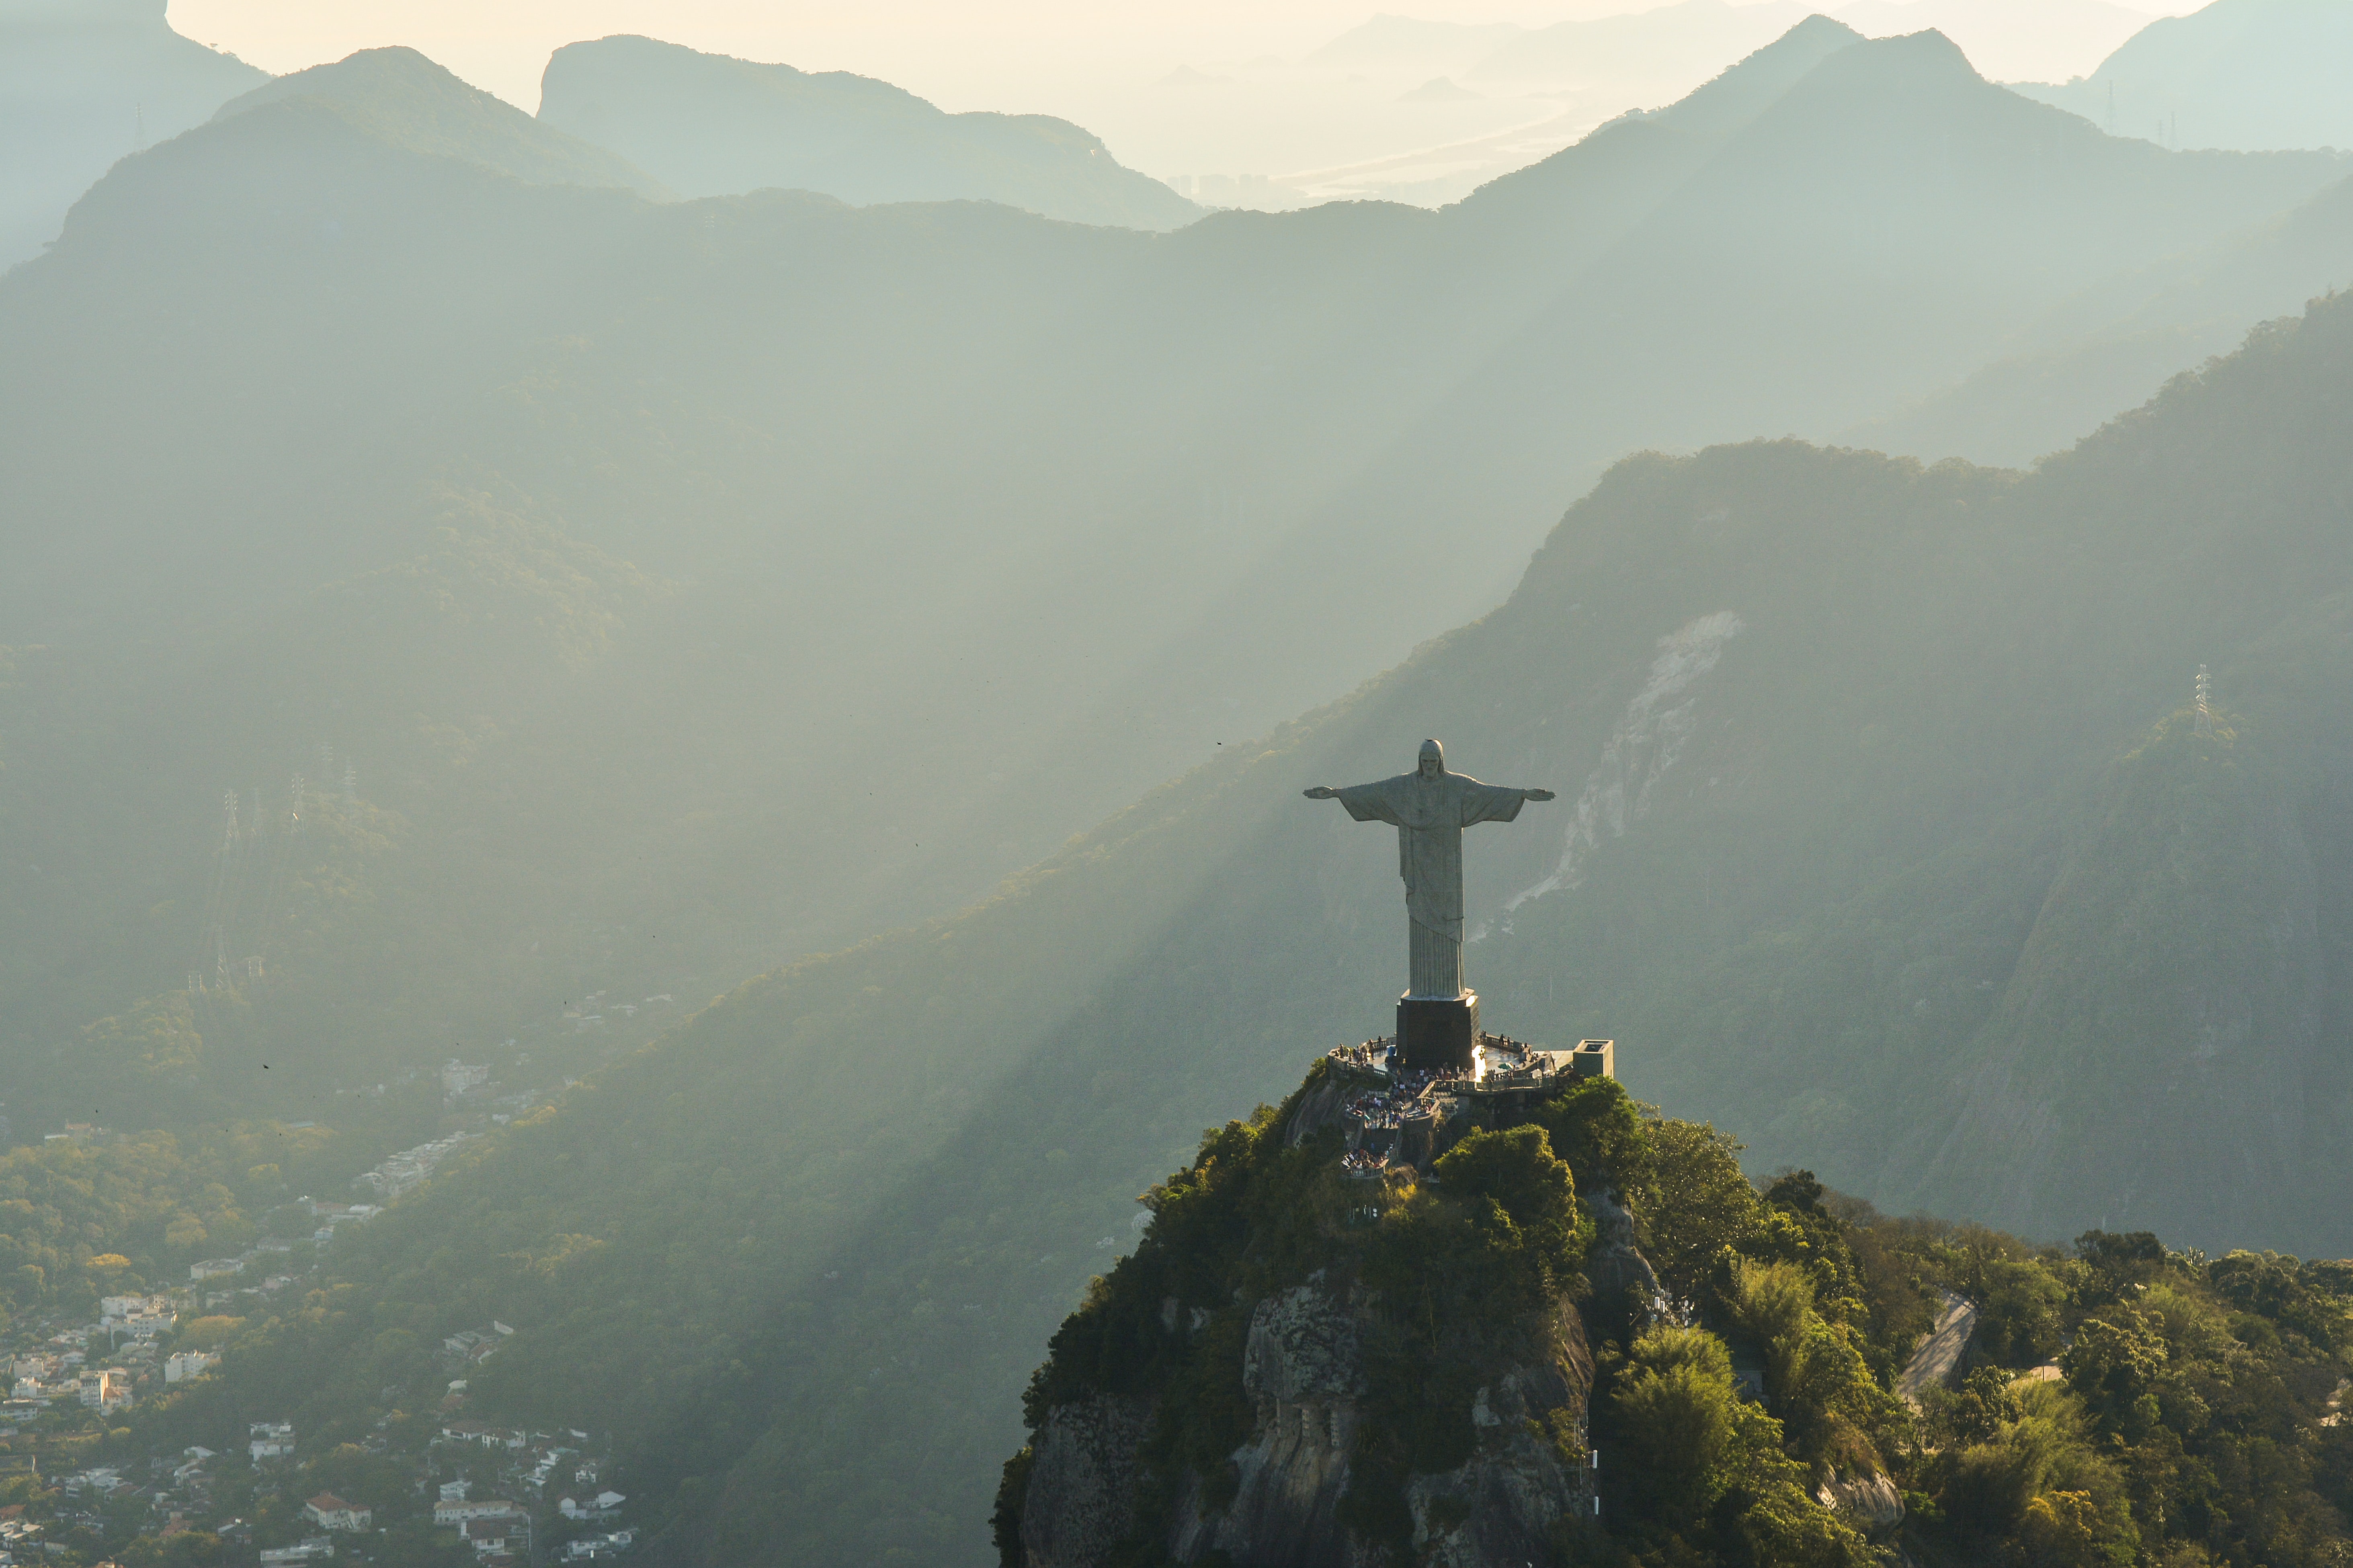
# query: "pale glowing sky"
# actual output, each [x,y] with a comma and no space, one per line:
[1099,63]
[502,44]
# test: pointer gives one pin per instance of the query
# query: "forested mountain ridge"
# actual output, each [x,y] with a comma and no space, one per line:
[82,83]
[1580,1334]
[712,125]
[1842,745]
[1140,453]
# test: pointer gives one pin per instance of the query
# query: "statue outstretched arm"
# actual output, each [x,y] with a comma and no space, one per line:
[1536,795]
[1362,803]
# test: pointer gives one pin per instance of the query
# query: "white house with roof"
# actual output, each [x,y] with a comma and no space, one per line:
[601,1506]
[489,1536]
[329,1511]
[271,1440]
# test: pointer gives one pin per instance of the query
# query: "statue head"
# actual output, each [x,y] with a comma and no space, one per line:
[1433,760]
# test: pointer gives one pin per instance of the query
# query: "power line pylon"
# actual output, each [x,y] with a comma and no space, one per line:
[2205,714]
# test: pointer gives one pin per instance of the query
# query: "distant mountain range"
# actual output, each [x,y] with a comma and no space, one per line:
[402,99]
[709,125]
[1659,53]
[83,84]
[911,491]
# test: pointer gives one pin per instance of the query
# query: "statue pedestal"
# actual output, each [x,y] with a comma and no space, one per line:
[1435,1033]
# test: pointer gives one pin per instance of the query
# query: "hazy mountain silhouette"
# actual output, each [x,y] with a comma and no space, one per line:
[402,100]
[2234,73]
[1138,495]
[711,125]
[1386,43]
[2115,344]
[83,82]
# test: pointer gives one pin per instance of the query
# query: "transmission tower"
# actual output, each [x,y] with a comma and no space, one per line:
[2205,714]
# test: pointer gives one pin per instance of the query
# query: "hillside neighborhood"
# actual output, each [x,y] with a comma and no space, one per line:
[451,1488]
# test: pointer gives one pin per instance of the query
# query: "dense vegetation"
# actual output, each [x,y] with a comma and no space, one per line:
[116,1216]
[2124,1403]
[2183,1412]
[1465,1267]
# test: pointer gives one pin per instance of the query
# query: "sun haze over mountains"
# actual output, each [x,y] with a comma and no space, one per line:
[651,763]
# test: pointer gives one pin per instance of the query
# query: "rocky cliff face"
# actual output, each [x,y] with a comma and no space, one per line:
[1348,1433]
[1082,1479]
[1304,1367]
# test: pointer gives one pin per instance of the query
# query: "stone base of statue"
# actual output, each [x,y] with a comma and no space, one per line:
[1436,1034]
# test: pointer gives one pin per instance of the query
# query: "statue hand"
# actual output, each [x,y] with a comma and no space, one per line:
[1319,792]
[1537,793]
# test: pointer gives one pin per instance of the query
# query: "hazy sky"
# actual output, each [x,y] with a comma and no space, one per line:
[1100,63]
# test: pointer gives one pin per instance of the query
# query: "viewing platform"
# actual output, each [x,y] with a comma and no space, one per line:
[1393,1115]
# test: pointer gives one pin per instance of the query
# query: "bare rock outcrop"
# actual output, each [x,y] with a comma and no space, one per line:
[1319,1106]
[1500,1508]
[1240,1391]
[1616,1264]
[1869,1502]
[1083,1481]
[1304,1365]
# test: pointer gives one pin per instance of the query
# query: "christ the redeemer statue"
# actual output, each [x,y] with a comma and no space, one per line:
[1438,1017]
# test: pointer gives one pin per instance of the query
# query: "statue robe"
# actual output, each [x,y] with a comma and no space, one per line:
[1430,815]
